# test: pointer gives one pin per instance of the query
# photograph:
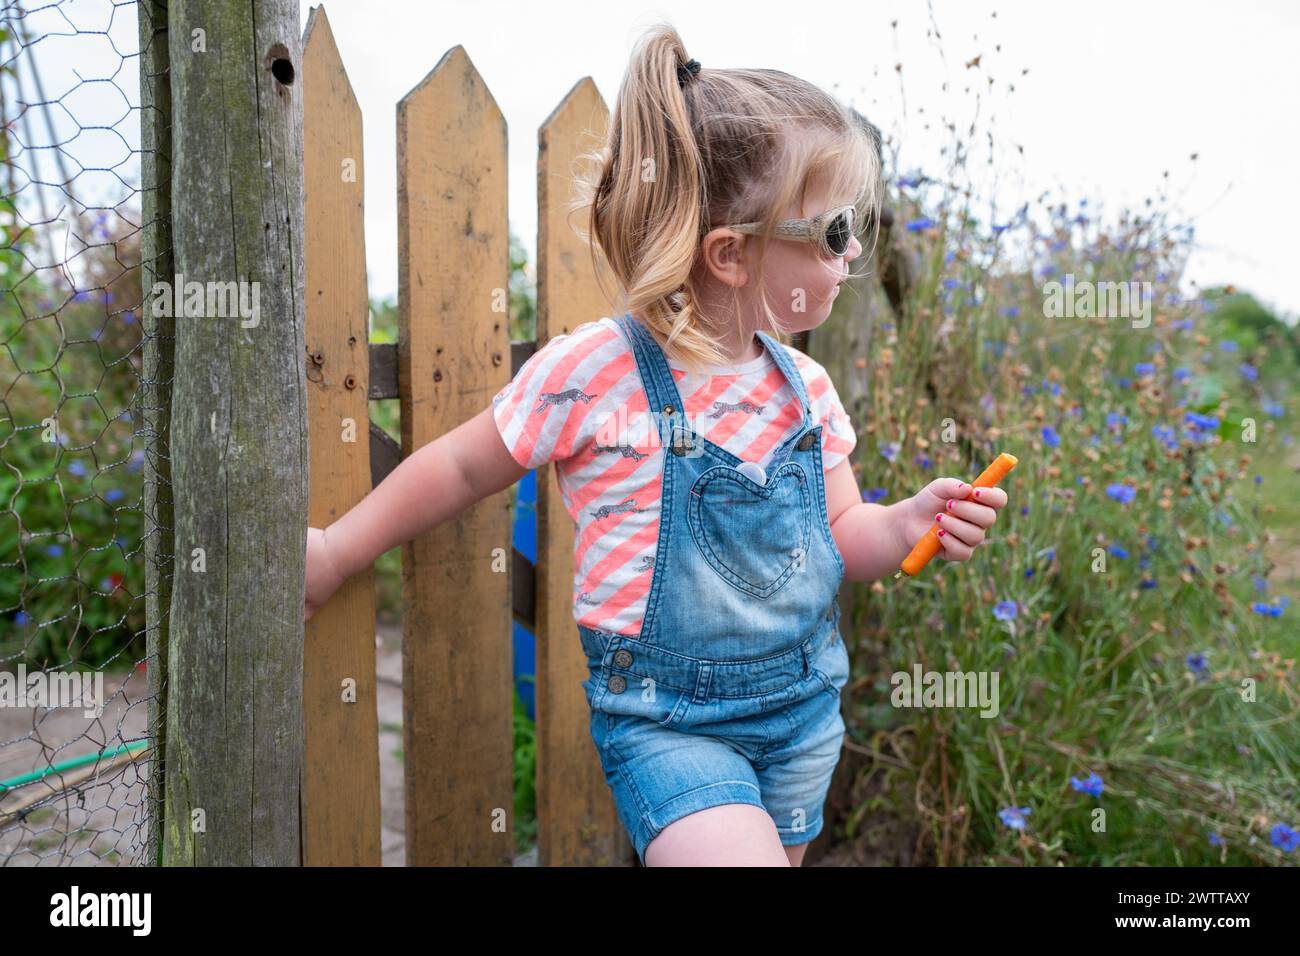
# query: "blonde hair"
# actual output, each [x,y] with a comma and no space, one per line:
[728,146]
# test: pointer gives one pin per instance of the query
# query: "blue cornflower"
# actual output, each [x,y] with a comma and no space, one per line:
[1014,817]
[1115,418]
[54,550]
[1005,610]
[1011,311]
[1144,368]
[1215,839]
[114,494]
[874,494]
[1121,492]
[76,468]
[1267,610]
[1050,438]
[1228,345]
[1248,371]
[1283,837]
[889,450]
[1092,785]
[916,225]
[1118,551]
[1181,373]
[1196,664]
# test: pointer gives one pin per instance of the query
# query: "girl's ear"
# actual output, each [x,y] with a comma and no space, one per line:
[722,253]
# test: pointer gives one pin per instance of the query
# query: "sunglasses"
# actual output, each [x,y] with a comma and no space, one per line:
[832,230]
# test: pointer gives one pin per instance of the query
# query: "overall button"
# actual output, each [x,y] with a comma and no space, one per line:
[623,657]
[807,441]
[681,446]
[618,684]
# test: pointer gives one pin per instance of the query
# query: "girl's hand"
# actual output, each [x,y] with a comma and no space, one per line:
[323,579]
[962,519]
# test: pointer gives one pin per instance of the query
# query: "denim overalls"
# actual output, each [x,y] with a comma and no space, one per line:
[730,693]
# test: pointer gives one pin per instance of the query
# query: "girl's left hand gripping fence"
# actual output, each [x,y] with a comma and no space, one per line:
[929,545]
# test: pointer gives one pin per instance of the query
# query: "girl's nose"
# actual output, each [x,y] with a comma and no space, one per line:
[854,250]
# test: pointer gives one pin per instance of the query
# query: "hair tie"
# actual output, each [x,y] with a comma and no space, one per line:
[686,71]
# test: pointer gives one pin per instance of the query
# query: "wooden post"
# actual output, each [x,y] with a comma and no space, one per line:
[239,436]
[453,355]
[340,774]
[155,264]
[577,822]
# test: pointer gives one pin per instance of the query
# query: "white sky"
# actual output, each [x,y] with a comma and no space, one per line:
[1117,93]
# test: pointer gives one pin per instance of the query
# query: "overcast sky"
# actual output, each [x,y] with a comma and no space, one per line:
[1117,93]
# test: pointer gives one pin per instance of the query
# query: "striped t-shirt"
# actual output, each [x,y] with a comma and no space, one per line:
[578,401]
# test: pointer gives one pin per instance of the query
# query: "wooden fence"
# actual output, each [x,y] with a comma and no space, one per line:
[464,584]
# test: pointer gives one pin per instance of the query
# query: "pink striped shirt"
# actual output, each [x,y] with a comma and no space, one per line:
[578,402]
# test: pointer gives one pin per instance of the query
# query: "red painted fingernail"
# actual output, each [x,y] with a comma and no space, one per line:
[949,506]
[977,492]
[941,532]
[938,517]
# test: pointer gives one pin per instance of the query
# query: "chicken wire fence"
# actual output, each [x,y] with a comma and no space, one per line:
[85,535]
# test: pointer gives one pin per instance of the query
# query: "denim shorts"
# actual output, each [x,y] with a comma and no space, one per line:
[769,735]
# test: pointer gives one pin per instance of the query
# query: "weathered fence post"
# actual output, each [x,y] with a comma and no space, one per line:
[340,774]
[453,355]
[155,264]
[239,435]
[576,821]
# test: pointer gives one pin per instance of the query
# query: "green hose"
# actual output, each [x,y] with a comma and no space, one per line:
[26,778]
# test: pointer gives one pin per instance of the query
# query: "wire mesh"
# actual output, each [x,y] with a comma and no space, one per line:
[84,528]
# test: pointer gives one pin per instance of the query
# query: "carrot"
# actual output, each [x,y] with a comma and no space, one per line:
[929,545]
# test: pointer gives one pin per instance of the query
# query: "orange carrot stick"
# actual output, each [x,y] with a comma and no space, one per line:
[929,545]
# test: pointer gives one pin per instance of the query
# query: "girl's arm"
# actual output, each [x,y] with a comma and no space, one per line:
[436,483]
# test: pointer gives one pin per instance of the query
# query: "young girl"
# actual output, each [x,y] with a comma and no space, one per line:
[703,460]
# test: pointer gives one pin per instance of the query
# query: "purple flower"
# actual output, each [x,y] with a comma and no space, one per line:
[1005,610]
[1196,664]
[76,467]
[1215,839]
[113,494]
[889,450]
[1228,345]
[916,225]
[874,494]
[1144,368]
[1248,371]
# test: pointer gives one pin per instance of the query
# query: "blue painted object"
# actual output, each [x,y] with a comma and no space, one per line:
[525,540]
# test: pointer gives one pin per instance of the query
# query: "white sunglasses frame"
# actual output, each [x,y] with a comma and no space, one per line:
[812,229]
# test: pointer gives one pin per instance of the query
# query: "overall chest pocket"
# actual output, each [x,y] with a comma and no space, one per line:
[756,537]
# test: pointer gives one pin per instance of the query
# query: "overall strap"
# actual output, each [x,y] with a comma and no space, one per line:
[657,378]
[791,372]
